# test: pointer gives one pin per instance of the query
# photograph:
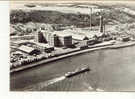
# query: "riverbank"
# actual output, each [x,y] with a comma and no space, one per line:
[106,45]
[122,45]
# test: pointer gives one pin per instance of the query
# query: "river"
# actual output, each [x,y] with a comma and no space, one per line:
[111,70]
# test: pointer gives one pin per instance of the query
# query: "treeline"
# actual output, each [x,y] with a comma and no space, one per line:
[79,20]
[52,17]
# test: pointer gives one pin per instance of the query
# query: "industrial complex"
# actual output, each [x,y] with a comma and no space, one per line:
[72,47]
[45,43]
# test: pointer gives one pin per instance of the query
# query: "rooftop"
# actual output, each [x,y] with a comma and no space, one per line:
[61,33]
[78,36]
[26,49]
[86,33]
[69,32]
[43,45]
[22,41]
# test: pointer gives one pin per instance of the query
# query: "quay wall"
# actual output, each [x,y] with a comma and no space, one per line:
[64,55]
[69,54]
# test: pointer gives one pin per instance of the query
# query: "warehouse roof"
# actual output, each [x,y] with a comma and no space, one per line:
[44,45]
[62,33]
[86,33]
[70,33]
[79,37]
[21,41]
[76,35]
[26,49]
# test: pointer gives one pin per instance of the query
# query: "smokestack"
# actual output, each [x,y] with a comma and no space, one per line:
[104,28]
[101,24]
[90,18]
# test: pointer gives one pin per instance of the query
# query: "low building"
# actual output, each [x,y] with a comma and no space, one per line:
[83,43]
[125,38]
[28,50]
[22,42]
[78,37]
[45,47]
[82,33]
[25,37]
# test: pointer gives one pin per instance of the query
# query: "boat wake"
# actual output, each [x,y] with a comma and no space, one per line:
[42,85]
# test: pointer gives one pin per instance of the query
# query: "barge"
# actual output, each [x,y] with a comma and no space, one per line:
[77,71]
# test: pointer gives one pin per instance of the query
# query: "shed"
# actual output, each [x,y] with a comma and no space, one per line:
[45,47]
[28,50]
[79,37]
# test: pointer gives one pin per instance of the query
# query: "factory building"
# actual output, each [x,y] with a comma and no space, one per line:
[39,37]
[69,37]
[46,34]
[54,41]
[64,39]
[21,42]
[29,50]
[78,37]
[44,47]
[57,38]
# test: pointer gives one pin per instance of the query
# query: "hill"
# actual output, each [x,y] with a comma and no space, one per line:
[113,14]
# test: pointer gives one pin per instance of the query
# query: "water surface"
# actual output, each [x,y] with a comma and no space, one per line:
[111,70]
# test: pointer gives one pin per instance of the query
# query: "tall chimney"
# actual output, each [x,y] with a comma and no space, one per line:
[101,24]
[104,28]
[90,18]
